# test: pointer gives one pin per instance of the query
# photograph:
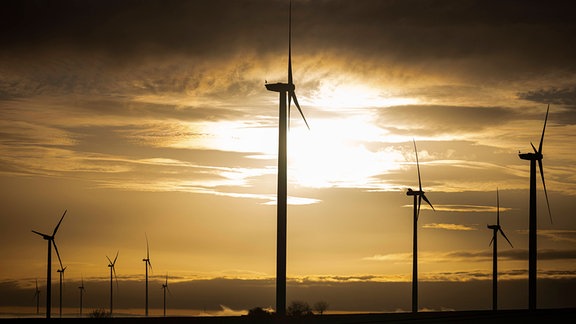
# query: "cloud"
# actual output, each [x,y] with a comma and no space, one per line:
[559,235]
[554,96]
[450,227]
[436,120]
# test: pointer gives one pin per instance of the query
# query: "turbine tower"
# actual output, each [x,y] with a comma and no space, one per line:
[418,196]
[61,272]
[495,229]
[284,90]
[50,239]
[147,265]
[111,265]
[81,288]
[533,222]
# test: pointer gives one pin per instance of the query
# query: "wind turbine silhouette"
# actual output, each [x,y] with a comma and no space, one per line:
[81,288]
[50,239]
[111,265]
[61,272]
[418,196]
[164,288]
[147,264]
[284,89]
[495,229]
[37,297]
[533,223]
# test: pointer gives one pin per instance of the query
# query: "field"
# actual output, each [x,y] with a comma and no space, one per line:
[470,317]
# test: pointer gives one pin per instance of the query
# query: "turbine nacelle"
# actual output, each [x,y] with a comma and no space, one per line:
[411,192]
[531,156]
[280,87]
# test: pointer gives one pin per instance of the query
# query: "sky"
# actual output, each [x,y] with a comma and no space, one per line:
[149,120]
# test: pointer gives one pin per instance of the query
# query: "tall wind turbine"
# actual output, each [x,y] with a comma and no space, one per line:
[533,223]
[81,288]
[418,196]
[111,265]
[495,229]
[50,239]
[284,90]
[164,288]
[37,297]
[147,265]
[61,272]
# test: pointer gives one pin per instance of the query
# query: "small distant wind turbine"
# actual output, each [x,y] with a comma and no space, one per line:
[533,223]
[284,89]
[61,272]
[418,196]
[111,265]
[50,239]
[164,288]
[147,265]
[495,229]
[37,297]
[81,288]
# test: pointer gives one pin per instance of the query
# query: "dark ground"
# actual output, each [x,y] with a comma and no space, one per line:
[565,315]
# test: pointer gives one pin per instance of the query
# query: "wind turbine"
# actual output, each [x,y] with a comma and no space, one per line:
[164,288]
[61,272]
[418,196]
[50,239]
[284,89]
[81,288]
[495,229]
[37,297]
[533,223]
[111,265]
[147,264]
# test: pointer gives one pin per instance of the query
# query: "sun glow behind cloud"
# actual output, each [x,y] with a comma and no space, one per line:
[336,94]
[333,154]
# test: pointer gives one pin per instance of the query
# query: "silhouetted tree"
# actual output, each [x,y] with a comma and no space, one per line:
[258,312]
[320,307]
[99,313]
[298,308]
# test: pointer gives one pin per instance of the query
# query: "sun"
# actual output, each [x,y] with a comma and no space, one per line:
[333,154]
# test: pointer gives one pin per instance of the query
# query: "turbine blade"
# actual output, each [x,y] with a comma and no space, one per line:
[417,166]
[147,247]
[497,208]
[58,254]
[492,240]
[110,261]
[544,185]
[534,147]
[41,234]
[543,130]
[428,201]
[56,228]
[502,232]
[115,276]
[115,258]
[290,45]
[293,94]
[289,110]
[419,203]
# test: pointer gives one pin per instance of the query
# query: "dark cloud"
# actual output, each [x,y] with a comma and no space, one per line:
[433,120]
[344,296]
[547,254]
[406,30]
[563,97]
